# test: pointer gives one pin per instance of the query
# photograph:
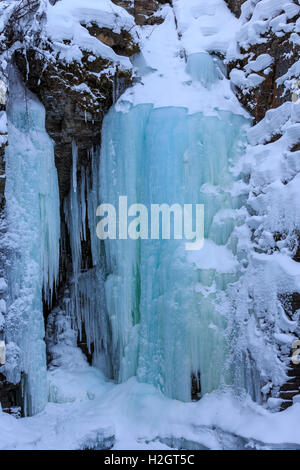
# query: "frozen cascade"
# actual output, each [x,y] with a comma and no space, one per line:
[32,207]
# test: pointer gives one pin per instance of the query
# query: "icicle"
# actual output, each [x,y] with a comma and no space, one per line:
[32,208]
[74,165]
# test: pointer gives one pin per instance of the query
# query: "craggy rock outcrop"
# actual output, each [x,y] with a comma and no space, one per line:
[144,11]
[261,71]
[265,77]
[122,43]
[76,94]
[235,6]
[271,93]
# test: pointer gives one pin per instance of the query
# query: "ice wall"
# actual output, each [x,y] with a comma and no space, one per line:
[148,307]
[165,305]
[32,240]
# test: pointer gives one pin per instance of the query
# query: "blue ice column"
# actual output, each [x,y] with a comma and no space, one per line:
[33,218]
[166,307]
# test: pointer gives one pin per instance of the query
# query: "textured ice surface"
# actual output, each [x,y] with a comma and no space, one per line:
[164,327]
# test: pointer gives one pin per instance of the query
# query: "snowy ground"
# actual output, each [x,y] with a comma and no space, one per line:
[85,410]
[92,413]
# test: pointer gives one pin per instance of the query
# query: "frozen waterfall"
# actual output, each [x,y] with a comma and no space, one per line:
[32,240]
[149,307]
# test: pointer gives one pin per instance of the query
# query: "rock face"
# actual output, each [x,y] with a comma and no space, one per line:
[291,305]
[76,96]
[71,113]
[121,43]
[265,59]
[235,6]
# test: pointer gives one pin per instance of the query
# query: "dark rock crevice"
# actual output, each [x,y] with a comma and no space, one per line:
[235,6]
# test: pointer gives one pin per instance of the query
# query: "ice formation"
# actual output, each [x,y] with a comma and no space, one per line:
[33,232]
[167,326]
[152,310]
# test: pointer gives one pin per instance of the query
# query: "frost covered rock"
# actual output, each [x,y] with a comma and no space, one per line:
[71,67]
[3,285]
[12,367]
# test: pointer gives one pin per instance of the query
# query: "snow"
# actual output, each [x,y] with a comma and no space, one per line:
[239,79]
[273,122]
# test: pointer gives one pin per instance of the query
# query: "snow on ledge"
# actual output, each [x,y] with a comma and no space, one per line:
[64,23]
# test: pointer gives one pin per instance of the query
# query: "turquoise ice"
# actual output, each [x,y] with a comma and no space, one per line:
[33,223]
